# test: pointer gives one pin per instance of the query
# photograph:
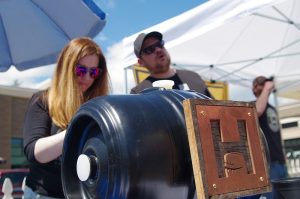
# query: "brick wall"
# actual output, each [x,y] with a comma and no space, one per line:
[5,129]
[13,105]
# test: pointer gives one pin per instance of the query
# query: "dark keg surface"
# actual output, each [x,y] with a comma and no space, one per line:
[129,146]
[287,188]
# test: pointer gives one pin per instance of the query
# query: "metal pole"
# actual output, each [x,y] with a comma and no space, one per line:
[275,96]
[126,85]
[275,99]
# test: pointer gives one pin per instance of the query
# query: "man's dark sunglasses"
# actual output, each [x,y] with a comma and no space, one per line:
[150,49]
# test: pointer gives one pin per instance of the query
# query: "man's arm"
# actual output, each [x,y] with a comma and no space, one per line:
[262,99]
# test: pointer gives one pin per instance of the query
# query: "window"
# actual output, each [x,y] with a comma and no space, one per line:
[18,158]
[289,125]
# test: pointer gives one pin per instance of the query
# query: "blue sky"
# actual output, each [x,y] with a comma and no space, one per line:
[126,17]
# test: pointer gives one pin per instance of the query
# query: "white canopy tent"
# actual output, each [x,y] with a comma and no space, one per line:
[234,41]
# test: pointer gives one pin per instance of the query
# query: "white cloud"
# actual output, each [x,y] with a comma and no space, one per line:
[27,79]
[111,4]
[116,70]
[100,37]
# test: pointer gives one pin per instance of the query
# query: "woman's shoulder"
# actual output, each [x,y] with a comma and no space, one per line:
[37,94]
[39,97]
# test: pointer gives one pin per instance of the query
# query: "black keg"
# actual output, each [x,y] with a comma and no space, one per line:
[287,188]
[129,146]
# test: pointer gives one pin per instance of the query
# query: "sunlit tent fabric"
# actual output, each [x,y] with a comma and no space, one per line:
[32,33]
[234,41]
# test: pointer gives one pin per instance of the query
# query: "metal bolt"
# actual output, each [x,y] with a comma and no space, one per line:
[214,186]
[261,179]
[203,113]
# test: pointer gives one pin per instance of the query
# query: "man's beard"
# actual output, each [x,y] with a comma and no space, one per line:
[162,68]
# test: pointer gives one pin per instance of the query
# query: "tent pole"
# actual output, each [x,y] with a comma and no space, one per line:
[275,100]
[126,85]
[275,95]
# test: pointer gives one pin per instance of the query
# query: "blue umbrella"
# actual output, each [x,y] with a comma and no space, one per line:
[32,32]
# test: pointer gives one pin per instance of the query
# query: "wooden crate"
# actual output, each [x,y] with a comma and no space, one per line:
[227,148]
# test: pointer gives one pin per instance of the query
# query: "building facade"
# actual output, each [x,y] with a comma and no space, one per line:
[13,104]
[290,130]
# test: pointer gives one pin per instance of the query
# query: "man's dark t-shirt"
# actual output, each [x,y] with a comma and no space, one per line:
[183,80]
[270,126]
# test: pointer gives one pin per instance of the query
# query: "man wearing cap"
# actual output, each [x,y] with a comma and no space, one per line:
[151,53]
[269,123]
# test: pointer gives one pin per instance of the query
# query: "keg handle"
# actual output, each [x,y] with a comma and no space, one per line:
[149,90]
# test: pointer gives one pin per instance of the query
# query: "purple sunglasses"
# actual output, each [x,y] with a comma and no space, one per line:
[81,70]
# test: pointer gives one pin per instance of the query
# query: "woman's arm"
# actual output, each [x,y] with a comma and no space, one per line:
[49,148]
[40,145]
